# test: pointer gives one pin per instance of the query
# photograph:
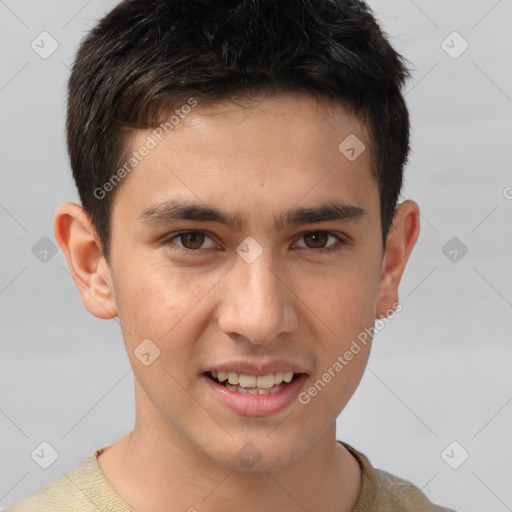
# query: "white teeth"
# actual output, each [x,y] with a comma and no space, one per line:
[247,381]
[254,391]
[287,376]
[265,381]
[261,382]
[233,377]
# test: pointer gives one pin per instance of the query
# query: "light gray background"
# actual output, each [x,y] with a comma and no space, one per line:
[439,372]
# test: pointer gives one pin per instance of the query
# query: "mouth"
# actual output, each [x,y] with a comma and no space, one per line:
[253,384]
[255,395]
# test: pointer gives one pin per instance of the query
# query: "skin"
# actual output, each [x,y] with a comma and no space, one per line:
[291,303]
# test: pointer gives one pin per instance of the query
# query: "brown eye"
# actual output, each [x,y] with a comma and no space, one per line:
[190,243]
[192,240]
[316,239]
[321,242]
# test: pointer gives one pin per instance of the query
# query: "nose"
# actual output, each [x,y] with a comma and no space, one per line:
[257,303]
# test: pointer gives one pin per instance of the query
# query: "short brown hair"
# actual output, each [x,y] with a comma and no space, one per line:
[147,57]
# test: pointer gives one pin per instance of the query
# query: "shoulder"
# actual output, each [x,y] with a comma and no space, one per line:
[396,492]
[62,495]
[82,490]
[381,491]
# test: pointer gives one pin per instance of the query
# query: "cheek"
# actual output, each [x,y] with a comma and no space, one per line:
[156,302]
[344,300]
[154,307]
[346,308]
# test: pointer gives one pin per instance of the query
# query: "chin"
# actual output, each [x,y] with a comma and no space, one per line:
[249,458]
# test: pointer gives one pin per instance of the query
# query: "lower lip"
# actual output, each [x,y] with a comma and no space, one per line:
[257,405]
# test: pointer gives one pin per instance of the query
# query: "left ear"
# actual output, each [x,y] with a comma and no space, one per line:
[401,239]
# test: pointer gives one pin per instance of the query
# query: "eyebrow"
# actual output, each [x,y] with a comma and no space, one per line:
[174,210]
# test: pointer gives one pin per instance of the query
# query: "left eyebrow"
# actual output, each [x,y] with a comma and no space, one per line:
[173,210]
[333,211]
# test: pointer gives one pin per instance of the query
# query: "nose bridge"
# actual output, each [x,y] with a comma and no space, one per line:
[257,304]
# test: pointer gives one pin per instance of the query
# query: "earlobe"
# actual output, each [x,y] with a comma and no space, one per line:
[79,242]
[400,242]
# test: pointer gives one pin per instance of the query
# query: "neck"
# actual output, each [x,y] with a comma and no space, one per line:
[163,466]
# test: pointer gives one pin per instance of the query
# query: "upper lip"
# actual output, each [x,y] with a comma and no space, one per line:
[255,368]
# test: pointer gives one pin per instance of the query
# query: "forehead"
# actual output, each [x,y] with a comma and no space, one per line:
[284,118]
[266,152]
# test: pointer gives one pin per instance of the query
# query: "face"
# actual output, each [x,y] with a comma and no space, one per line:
[246,245]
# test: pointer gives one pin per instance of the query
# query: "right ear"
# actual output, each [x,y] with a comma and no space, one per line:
[80,244]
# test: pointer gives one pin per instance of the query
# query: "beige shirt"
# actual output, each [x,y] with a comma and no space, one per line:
[86,490]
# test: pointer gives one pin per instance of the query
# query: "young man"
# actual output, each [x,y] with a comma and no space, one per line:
[239,165]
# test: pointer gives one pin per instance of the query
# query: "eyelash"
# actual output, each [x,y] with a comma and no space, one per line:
[197,252]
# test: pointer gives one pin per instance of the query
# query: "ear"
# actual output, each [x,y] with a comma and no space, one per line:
[400,242]
[80,244]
